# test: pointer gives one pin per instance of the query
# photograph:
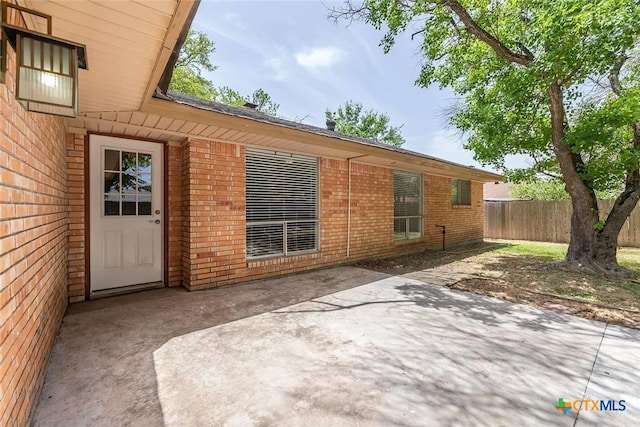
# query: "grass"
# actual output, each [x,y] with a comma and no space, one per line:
[632,287]
[551,251]
[575,293]
[627,257]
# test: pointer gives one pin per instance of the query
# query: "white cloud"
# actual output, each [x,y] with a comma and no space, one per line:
[319,57]
[278,67]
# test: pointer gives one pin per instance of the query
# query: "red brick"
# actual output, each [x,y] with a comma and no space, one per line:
[33,249]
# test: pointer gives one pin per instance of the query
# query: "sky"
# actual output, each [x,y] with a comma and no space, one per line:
[308,64]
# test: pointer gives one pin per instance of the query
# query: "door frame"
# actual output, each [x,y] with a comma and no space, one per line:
[87,207]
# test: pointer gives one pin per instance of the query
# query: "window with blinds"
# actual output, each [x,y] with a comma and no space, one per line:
[282,203]
[407,205]
[460,192]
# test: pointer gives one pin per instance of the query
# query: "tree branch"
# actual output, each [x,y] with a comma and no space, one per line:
[472,26]
[628,199]
[572,74]
[614,76]
[570,163]
[539,168]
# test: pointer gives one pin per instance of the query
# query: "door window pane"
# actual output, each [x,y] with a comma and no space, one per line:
[144,184]
[111,207]
[127,183]
[144,208]
[144,163]
[111,160]
[129,204]
[129,162]
[112,182]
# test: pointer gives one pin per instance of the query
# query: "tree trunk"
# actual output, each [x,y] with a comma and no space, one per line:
[590,248]
[593,244]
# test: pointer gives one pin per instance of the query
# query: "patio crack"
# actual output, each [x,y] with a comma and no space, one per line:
[593,366]
[336,307]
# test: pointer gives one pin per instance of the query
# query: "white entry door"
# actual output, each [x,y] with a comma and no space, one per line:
[126,212]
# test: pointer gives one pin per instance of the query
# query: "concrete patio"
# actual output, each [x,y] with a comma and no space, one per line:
[343,346]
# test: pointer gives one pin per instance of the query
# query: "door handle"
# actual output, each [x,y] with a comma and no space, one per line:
[157,221]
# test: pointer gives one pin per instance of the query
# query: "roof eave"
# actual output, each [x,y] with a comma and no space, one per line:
[188,112]
[174,38]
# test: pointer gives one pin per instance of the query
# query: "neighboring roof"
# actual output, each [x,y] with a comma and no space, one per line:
[252,114]
[498,190]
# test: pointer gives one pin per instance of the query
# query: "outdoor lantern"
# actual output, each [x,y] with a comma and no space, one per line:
[46,77]
[46,70]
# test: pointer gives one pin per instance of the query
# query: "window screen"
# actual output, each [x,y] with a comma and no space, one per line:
[407,205]
[282,203]
[461,192]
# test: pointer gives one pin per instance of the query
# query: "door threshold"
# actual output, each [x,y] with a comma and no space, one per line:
[105,293]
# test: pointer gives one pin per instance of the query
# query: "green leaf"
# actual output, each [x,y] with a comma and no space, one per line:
[352,120]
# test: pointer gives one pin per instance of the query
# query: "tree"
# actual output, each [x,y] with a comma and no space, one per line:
[191,83]
[194,58]
[195,53]
[261,99]
[228,96]
[547,78]
[351,120]
[263,102]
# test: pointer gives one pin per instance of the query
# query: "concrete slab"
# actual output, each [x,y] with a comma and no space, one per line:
[101,372]
[393,351]
[615,377]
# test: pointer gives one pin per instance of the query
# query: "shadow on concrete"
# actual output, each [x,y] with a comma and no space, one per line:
[486,310]
[319,349]
[394,352]
[492,361]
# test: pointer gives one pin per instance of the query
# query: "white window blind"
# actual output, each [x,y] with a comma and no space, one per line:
[407,206]
[460,192]
[282,203]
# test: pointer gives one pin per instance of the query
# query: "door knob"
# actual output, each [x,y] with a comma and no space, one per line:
[157,221]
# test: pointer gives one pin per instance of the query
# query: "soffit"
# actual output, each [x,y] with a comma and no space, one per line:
[128,43]
[179,127]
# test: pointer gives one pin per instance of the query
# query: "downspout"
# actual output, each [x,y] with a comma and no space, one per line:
[349,212]
[349,205]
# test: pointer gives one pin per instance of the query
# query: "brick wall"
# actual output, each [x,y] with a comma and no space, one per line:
[175,214]
[213,195]
[213,236]
[463,223]
[77,228]
[33,248]
[206,198]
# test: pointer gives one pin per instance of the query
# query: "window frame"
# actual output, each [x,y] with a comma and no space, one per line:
[315,183]
[407,218]
[459,199]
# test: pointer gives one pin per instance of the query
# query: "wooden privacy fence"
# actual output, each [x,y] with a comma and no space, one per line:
[546,221]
